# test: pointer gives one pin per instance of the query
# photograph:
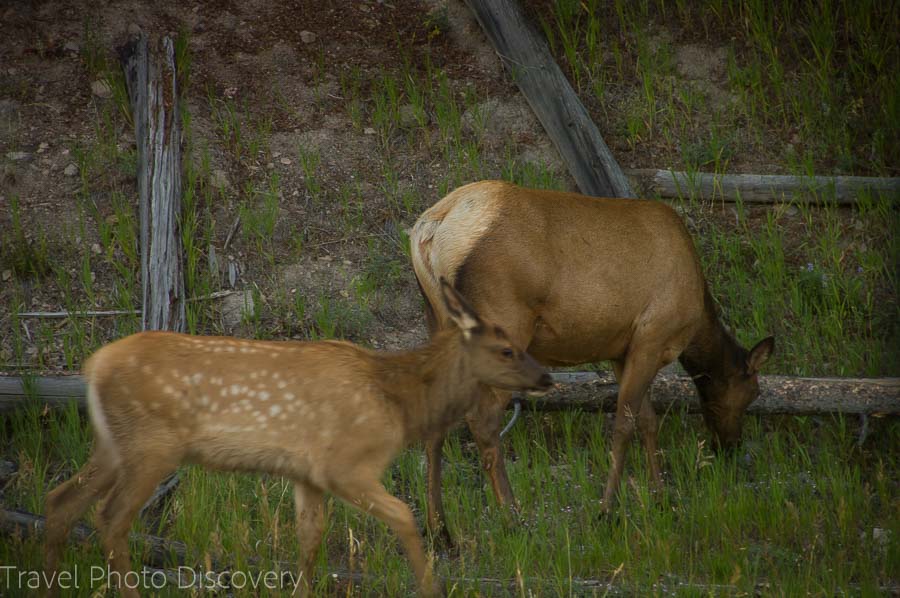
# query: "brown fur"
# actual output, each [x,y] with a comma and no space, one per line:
[577,279]
[330,416]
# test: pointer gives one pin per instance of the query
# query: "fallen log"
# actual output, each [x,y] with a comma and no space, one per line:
[761,188]
[158,552]
[589,391]
[528,59]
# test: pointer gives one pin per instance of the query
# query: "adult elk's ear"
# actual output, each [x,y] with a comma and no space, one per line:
[461,313]
[760,354]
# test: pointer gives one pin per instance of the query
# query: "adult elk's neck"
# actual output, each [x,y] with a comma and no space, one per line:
[713,355]
[432,385]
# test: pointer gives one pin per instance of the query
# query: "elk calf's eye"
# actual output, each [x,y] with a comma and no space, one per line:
[508,353]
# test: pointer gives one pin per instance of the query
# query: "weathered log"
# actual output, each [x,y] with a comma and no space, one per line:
[78,314]
[761,188]
[159,552]
[551,97]
[589,392]
[150,74]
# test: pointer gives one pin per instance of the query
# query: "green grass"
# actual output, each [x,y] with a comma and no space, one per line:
[822,284]
[795,510]
[814,76]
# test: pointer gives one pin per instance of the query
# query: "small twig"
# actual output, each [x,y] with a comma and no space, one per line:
[234,227]
[213,295]
[74,314]
[343,239]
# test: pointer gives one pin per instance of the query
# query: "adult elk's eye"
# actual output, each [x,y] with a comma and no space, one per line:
[507,353]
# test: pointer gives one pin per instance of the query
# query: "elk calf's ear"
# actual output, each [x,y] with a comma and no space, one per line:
[760,354]
[461,313]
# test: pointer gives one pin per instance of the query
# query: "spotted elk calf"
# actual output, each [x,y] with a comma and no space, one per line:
[577,279]
[330,416]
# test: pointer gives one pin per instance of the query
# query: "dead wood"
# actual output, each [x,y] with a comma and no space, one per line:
[762,188]
[589,392]
[150,74]
[525,54]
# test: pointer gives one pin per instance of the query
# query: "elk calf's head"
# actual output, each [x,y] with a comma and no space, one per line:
[725,399]
[493,359]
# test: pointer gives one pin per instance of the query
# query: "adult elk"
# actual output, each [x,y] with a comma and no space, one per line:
[575,280]
[330,416]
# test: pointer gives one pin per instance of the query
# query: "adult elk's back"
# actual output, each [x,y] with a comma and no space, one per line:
[330,416]
[577,280]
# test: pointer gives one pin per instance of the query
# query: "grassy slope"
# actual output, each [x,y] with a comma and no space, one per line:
[798,509]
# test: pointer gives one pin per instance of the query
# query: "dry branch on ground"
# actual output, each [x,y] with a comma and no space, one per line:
[589,391]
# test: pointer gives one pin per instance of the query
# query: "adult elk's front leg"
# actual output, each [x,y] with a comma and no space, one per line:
[437,520]
[485,421]
[634,375]
[648,427]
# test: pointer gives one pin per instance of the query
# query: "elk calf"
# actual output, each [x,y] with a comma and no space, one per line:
[331,416]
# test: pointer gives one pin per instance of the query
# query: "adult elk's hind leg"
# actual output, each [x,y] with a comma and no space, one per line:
[310,512]
[69,501]
[634,375]
[485,421]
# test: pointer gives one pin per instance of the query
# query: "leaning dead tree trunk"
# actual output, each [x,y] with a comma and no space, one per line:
[150,74]
[760,188]
[551,97]
[590,392]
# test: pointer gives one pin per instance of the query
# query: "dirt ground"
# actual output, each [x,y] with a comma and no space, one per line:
[284,63]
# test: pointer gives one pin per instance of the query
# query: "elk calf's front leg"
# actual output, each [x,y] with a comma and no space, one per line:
[485,423]
[309,504]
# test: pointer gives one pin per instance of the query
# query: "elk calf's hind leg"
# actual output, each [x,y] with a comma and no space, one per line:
[374,499]
[136,481]
[68,502]
[310,512]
